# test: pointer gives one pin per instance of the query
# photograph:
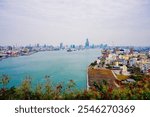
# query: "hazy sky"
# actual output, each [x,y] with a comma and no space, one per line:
[117,22]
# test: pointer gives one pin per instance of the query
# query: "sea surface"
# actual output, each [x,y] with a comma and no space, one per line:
[61,66]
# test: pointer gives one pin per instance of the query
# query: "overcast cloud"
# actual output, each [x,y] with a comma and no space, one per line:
[117,22]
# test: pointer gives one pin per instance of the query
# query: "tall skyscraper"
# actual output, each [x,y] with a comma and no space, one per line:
[87,43]
[61,45]
[38,45]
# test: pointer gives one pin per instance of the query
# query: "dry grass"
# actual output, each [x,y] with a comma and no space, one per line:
[97,75]
[122,77]
[102,72]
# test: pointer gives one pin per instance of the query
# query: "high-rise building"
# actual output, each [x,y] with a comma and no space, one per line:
[61,45]
[38,45]
[44,46]
[92,46]
[131,50]
[72,46]
[9,47]
[87,43]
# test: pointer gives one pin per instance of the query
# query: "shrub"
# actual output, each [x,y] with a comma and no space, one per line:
[139,90]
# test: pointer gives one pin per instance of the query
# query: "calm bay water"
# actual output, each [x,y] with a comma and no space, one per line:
[61,66]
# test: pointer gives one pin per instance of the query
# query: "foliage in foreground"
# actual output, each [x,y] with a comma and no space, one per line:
[101,91]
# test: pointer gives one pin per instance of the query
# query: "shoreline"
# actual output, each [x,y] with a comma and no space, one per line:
[87,80]
[19,55]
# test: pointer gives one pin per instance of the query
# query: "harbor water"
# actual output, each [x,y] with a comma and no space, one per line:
[61,66]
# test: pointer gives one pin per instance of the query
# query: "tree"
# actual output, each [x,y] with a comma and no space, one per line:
[93,64]
[4,80]
[135,70]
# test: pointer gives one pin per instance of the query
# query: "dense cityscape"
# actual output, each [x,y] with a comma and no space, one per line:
[14,51]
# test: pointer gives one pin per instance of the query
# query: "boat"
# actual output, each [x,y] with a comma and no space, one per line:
[69,50]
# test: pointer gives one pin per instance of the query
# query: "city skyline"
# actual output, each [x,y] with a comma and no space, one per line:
[123,22]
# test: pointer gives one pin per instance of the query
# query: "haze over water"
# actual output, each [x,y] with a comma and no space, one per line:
[61,66]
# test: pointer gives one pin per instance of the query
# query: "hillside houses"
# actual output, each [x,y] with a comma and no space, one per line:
[119,67]
[119,60]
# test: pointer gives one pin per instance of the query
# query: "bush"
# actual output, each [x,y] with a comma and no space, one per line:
[93,64]
[139,90]
[136,77]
